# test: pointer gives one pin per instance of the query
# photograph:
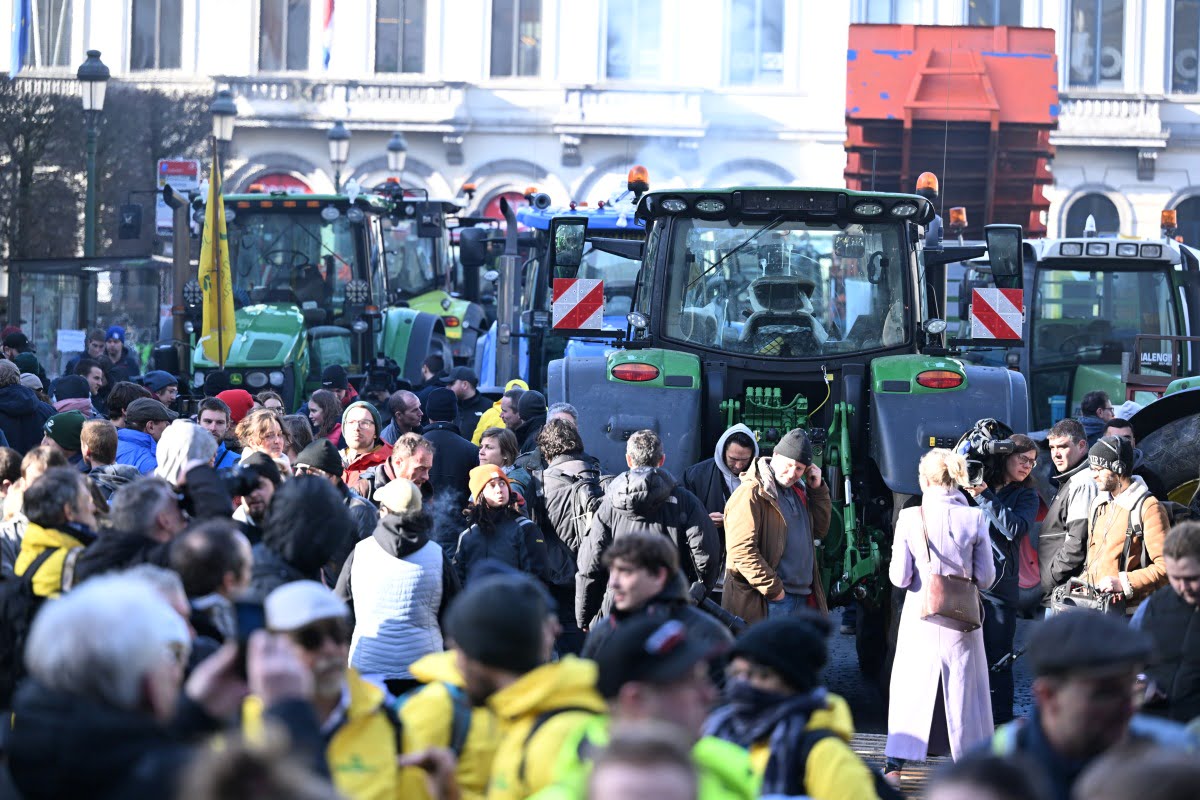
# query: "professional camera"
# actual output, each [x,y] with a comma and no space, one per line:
[238,480]
[986,446]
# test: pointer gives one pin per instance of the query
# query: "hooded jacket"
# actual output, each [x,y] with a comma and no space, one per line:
[1093,427]
[563,694]
[1062,541]
[505,535]
[711,480]
[295,546]
[137,449]
[426,721]
[1109,534]
[48,580]
[110,477]
[363,462]
[755,537]
[645,499]
[22,416]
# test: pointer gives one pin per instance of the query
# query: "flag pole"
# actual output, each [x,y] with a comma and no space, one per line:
[216,255]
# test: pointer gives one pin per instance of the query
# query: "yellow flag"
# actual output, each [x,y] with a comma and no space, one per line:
[216,278]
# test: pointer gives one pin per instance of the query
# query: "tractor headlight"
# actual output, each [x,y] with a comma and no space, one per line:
[359,326]
[276,378]
[256,380]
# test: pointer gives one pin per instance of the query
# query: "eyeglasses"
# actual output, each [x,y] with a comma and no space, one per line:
[1109,408]
[360,423]
[311,637]
[1028,462]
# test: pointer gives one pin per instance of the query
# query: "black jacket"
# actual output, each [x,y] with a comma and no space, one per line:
[1175,626]
[115,550]
[504,535]
[401,535]
[528,432]
[705,480]
[645,499]
[271,570]
[671,603]
[469,412]
[22,416]
[1011,512]
[65,745]
[453,459]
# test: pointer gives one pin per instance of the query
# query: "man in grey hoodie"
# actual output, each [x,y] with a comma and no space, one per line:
[714,479]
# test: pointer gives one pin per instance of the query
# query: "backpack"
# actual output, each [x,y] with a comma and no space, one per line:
[18,606]
[460,723]
[883,789]
[562,543]
[538,722]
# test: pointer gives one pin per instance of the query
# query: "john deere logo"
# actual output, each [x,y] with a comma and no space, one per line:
[235,379]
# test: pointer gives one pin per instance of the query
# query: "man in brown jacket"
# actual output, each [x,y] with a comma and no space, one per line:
[772,522]
[1120,558]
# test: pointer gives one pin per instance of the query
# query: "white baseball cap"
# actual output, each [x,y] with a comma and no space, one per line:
[300,603]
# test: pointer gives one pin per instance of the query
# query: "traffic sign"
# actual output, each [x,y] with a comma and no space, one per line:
[184,176]
[997,313]
[578,304]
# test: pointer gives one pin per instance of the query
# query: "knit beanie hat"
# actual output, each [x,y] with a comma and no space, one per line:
[532,404]
[441,406]
[1114,453]
[482,475]
[499,622]
[322,454]
[374,414]
[71,386]
[239,401]
[263,466]
[792,646]
[796,446]
[28,363]
[65,428]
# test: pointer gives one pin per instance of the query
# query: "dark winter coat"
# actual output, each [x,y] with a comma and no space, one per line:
[528,432]
[125,368]
[114,551]
[1011,513]
[111,477]
[453,459]
[645,499]
[65,745]
[271,570]
[671,603]
[22,416]
[470,411]
[1175,626]
[504,535]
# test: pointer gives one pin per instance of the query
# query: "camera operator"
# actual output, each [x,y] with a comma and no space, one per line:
[1007,498]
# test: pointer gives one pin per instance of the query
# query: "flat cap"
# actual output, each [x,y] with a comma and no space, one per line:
[1084,643]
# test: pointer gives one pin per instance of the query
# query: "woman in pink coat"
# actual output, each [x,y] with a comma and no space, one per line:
[939,691]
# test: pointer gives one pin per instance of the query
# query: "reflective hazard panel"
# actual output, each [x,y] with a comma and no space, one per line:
[997,313]
[578,304]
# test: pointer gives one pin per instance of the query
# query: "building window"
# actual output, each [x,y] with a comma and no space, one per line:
[283,27]
[400,36]
[50,44]
[1100,208]
[1189,219]
[157,34]
[993,12]
[756,42]
[634,35]
[1096,38]
[1184,44]
[516,38]
[889,12]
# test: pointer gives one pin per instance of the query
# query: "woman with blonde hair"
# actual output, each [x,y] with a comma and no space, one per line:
[261,432]
[939,690]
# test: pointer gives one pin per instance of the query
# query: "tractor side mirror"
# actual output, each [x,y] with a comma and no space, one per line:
[1005,255]
[472,247]
[567,237]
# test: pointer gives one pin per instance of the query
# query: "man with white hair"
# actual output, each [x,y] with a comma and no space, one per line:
[102,714]
[361,742]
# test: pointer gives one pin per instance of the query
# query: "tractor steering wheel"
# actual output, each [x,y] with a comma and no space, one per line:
[1072,344]
[294,259]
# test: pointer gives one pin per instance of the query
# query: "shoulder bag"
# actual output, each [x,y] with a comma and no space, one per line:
[950,601]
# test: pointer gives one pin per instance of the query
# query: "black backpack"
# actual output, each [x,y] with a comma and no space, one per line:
[18,606]
[562,542]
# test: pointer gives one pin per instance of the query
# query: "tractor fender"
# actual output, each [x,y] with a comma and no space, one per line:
[611,410]
[409,336]
[907,420]
[1168,434]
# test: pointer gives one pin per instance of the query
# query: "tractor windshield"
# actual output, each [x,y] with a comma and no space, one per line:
[412,260]
[788,289]
[619,276]
[1084,316]
[293,257]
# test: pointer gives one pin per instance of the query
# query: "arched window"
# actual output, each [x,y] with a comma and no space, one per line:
[1188,216]
[1108,221]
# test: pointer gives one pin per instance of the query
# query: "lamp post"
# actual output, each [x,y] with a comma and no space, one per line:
[397,154]
[339,152]
[93,80]
[224,112]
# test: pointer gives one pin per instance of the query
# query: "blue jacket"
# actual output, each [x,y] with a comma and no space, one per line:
[1012,512]
[137,449]
[22,416]
[225,457]
[1093,427]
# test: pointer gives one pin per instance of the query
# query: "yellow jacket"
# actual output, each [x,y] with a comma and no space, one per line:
[833,770]
[491,417]
[426,718]
[361,752]
[49,578]
[526,758]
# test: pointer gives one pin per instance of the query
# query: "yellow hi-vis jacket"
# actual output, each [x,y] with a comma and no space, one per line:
[491,417]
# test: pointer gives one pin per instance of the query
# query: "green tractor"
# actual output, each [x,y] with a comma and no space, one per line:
[422,271]
[785,308]
[312,288]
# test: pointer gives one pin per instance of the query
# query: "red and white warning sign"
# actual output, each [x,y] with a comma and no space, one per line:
[997,313]
[578,304]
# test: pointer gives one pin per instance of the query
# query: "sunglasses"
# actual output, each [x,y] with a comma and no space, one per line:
[311,637]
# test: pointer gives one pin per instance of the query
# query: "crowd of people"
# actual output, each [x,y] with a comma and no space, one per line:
[434,594]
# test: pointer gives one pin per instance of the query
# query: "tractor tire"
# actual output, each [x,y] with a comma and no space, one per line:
[1168,433]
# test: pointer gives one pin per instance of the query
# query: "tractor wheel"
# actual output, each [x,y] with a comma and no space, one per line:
[1168,433]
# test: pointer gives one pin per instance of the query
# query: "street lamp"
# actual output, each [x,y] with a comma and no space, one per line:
[339,152]
[93,79]
[397,153]
[224,112]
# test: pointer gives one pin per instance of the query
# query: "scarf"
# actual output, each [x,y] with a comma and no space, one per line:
[750,715]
